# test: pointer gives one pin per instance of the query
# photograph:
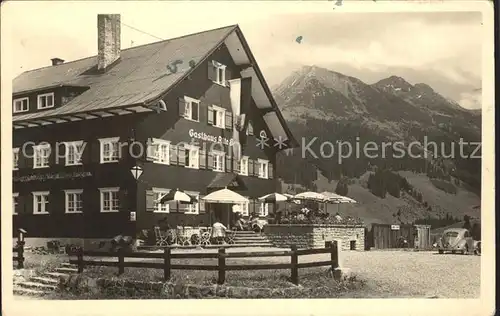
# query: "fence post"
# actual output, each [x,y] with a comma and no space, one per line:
[20,254]
[79,253]
[121,261]
[334,255]
[222,266]
[295,262]
[166,263]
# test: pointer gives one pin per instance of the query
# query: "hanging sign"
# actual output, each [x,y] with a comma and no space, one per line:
[394,227]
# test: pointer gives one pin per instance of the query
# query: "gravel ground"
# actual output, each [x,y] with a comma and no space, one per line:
[402,273]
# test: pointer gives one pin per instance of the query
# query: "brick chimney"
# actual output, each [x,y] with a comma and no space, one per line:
[57,61]
[108,40]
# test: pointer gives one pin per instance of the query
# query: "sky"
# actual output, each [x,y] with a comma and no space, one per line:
[442,49]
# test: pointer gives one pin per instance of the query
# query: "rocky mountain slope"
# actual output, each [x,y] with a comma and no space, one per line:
[325,108]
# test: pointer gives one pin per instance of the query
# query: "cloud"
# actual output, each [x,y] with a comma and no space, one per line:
[470,100]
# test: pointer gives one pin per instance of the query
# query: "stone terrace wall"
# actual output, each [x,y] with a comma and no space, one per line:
[315,235]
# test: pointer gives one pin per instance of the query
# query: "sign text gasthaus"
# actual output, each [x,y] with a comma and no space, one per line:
[211,138]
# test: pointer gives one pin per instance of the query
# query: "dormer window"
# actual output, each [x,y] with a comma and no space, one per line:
[21,105]
[45,101]
[218,73]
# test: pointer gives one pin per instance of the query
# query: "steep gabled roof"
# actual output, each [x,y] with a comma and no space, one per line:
[141,77]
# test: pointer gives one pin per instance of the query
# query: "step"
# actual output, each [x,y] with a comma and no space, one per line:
[253,243]
[31,292]
[67,270]
[38,286]
[56,275]
[45,280]
[68,265]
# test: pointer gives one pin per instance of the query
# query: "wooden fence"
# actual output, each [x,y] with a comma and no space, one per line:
[18,250]
[221,266]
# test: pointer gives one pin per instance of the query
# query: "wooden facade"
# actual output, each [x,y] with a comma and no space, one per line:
[135,195]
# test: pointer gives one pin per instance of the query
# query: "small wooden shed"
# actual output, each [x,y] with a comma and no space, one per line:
[384,236]
[423,237]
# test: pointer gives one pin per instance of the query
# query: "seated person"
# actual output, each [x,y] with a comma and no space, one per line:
[218,232]
[240,222]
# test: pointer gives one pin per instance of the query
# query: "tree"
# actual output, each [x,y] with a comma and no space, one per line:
[342,187]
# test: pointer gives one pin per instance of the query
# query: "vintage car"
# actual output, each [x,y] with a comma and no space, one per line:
[458,240]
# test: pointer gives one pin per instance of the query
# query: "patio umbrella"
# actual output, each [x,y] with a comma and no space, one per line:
[273,198]
[338,199]
[177,196]
[310,196]
[225,196]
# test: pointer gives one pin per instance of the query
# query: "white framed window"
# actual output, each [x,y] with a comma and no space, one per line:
[263,168]
[244,166]
[249,130]
[74,152]
[15,157]
[159,150]
[192,109]
[220,73]
[219,116]
[21,105]
[191,208]
[219,161]
[110,151]
[192,156]
[40,202]
[74,201]
[159,207]
[15,202]
[242,208]
[41,154]
[109,200]
[45,101]
[263,209]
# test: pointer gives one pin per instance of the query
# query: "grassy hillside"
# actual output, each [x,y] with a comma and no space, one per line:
[373,209]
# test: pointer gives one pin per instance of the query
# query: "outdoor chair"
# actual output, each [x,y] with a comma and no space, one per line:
[161,239]
[206,235]
[230,236]
[172,237]
[182,236]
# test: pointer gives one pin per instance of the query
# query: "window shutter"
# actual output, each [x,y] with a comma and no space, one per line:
[150,200]
[95,152]
[212,71]
[228,163]
[182,107]
[229,120]
[251,207]
[250,167]
[150,152]
[210,115]
[123,200]
[270,171]
[210,160]
[182,155]
[203,159]
[236,165]
[61,152]
[173,155]
[202,205]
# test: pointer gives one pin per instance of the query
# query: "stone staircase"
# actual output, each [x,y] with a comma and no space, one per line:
[251,239]
[41,285]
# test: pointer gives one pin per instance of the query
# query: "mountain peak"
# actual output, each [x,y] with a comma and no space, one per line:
[393,83]
[424,87]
